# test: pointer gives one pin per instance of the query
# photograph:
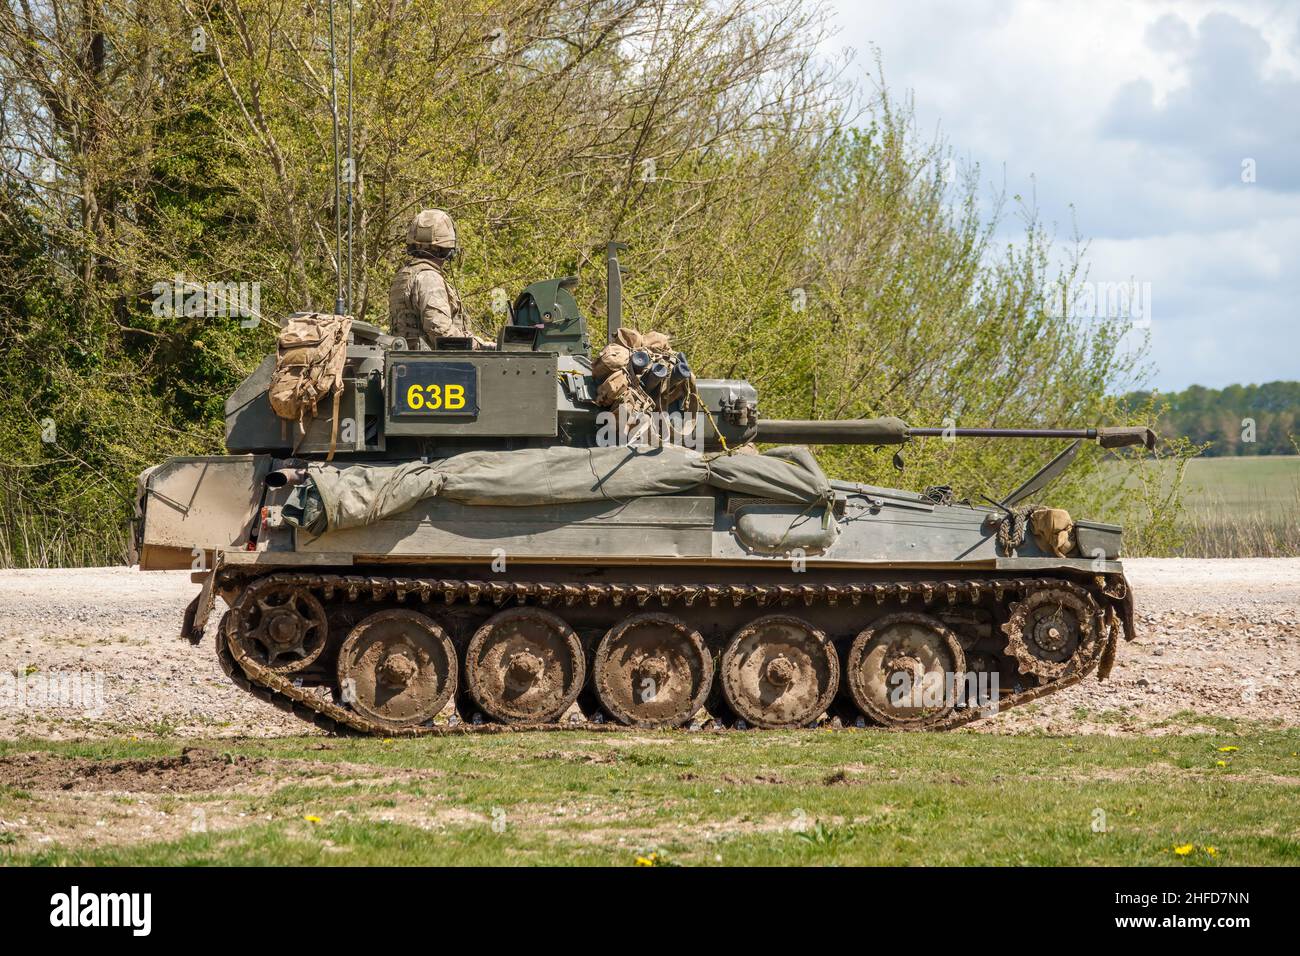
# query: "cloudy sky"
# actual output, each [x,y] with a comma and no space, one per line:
[1137,121]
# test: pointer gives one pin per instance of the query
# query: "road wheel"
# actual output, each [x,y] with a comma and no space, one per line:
[397,668]
[524,665]
[779,671]
[903,670]
[652,670]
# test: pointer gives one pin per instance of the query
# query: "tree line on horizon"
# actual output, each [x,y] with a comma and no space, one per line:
[1237,420]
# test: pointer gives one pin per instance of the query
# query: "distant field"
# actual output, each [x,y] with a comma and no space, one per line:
[654,799]
[1244,486]
[1242,507]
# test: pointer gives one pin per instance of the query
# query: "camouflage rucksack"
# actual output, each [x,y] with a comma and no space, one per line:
[311,351]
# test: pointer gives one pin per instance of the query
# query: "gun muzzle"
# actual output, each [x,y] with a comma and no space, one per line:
[1120,436]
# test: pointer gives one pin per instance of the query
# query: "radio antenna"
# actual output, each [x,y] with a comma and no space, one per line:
[352,165]
[338,212]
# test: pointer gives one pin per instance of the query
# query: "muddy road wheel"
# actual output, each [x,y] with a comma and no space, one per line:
[904,670]
[282,627]
[779,671]
[524,665]
[1052,632]
[397,668]
[652,670]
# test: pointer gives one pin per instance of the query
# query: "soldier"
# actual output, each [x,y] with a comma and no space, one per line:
[422,304]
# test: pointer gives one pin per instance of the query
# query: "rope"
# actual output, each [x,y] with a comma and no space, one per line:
[1011,531]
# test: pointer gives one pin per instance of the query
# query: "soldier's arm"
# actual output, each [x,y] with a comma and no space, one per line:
[432,304]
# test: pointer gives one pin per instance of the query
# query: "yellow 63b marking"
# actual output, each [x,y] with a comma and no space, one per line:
[450,398]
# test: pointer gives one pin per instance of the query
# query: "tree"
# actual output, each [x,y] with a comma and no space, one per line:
[782,227]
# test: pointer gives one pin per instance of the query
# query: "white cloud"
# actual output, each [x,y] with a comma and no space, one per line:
[1132,120]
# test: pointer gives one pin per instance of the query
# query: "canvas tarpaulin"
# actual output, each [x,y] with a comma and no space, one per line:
[352,496]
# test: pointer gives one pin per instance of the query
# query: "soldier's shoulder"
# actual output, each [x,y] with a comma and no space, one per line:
[412,272]
[427,275]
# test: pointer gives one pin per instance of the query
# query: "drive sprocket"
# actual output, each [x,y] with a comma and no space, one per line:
[1053,632]
[283,626]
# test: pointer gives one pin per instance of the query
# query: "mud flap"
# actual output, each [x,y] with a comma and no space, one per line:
[1112,644]
[1119,614]
[1126,613]
[199,610]
[1115,588]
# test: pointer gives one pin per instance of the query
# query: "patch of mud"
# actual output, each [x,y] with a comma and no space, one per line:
[80,802]
[570,756]
[194,771]
[761,778]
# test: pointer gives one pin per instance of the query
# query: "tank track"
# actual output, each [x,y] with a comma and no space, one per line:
[1109,596]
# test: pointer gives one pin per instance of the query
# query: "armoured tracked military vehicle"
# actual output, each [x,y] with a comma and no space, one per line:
[447,544]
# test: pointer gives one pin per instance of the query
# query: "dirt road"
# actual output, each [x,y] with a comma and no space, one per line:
[1218,639]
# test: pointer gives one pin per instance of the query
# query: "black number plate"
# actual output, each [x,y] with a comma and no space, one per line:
[434,388]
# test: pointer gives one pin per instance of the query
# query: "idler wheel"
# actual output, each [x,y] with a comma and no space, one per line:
[524,665]
[282,627]
[905,670]
[397,668]
[779,671]
[652,670]
[1052,632]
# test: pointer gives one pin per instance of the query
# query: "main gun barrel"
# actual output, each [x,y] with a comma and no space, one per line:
[892,431]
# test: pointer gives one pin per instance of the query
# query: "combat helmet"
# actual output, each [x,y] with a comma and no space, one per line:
[432,229]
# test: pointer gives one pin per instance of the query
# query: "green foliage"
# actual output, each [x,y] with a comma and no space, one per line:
[822,835]
[1154,511]
[712,138]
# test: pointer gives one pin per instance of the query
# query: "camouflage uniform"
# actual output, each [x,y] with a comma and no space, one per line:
[421,302]
[423,305]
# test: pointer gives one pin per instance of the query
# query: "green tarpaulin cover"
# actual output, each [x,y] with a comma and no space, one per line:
[355,495]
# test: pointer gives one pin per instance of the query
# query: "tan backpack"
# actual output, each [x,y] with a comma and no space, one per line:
[311,351]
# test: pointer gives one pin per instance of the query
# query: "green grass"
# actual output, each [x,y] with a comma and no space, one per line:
[1244,486]
[849,797]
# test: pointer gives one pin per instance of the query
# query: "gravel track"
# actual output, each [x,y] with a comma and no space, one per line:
[1217,639]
